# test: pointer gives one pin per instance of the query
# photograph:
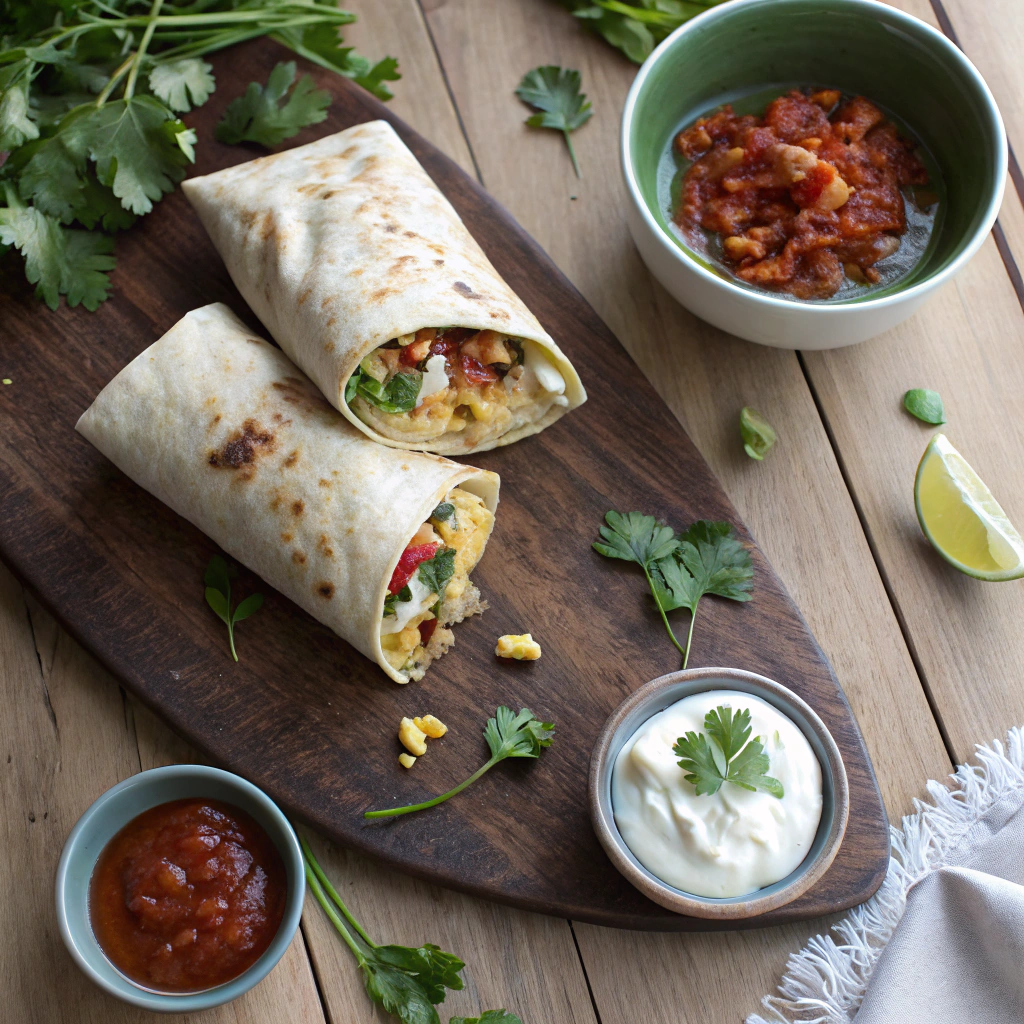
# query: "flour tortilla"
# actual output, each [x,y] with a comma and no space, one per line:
[346,243]
[219,425]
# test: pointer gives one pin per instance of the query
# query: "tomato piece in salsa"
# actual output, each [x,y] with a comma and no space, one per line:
[187,896]
[803,197]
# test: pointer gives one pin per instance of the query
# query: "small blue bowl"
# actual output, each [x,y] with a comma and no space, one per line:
[107,816]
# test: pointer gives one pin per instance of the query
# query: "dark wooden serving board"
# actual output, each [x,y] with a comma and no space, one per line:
[302,714]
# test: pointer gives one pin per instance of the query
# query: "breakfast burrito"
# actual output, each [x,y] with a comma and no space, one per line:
[375,543]
[367,277]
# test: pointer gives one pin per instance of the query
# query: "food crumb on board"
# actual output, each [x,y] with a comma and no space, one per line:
[7,380]
[406,760]
[413,733]
[522,648]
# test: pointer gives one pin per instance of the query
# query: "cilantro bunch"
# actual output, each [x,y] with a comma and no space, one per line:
[636,26]
[91,93]
[680,569]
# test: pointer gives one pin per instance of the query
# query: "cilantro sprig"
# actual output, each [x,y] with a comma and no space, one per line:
[398,395]
[680,569]
[272,113]
[218,596]
[90,97]
[507,735]
[738,762]
[555,93]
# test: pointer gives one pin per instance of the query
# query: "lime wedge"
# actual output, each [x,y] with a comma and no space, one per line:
[964,523]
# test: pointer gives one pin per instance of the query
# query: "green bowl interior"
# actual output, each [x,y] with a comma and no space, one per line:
[748,53]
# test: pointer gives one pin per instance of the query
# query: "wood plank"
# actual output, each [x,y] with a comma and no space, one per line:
[65,737]
[123,572]
[795,502]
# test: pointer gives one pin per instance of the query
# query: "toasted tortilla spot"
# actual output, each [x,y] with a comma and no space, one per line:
[298,558]
[330,320]
[328,299]
[438,263]
[328,194]
[329,347]
[390,228]
[305,295]
[287,537]
[405,259]
[216,419]
[325,546]
[325,590]
[356,273]
[301,393]
[243,446]
[464,289]
[349,153]
[381,293]
[268,229]
[324,483]
[309,189]
[292,459]
[298,507]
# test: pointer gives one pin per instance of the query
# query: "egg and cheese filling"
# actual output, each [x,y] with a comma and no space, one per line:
[454,383]
[431,589]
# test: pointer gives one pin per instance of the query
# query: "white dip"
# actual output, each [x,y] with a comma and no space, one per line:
[729,843]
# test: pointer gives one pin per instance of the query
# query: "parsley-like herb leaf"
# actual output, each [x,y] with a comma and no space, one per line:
[555,92]
[507,735]
[264,114]
[437,571]
[183,84]
[398,395]
[444,512]
[390,600]
[744,764]
[218,596]
[707,559]
[925,405]
[407,981]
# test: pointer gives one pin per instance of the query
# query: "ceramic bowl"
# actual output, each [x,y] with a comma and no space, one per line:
[113,811]
[761,48]
[659,694]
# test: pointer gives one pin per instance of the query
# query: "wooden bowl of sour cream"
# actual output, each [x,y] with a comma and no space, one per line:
[734,853]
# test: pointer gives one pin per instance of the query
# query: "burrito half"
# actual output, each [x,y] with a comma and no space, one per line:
[376,543]
[367,277]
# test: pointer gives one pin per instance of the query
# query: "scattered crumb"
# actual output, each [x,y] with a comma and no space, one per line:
[7,380]
[431,726]
[406,760]
[522,647]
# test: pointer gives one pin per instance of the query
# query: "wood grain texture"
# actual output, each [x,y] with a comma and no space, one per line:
[65,737]
[118,567]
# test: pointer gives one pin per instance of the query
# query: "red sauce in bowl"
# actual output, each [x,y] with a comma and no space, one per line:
[187,896]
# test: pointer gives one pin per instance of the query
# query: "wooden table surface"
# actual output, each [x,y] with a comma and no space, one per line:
[926,656]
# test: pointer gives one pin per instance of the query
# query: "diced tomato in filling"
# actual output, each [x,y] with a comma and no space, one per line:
[427,627]
[409,562]
[476,372]
[408,356]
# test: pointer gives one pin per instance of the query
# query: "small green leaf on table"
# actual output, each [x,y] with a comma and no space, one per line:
[555,93]
[925,405]
[756,432]
[218,597]
[269,114]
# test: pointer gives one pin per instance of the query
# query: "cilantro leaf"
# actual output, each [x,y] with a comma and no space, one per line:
[217,581]
[488,1017]
[58,261]
[507,735]
[390,600]
[443,512]
[183,84]
[16,127]
[925,405]
[756,433]
[555,92]
[437,571]
[265,116]
[707,559]
[134,144]
[398,395]
[744,766]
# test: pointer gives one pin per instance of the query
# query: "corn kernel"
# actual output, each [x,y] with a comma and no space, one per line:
[522,648]
[406,760]
[431,726]
[412,737]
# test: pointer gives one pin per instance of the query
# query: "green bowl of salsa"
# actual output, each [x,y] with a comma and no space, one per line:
[747,53]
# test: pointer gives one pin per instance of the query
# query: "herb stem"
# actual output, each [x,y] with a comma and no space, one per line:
[114,79]
[311,862]
[689,636]
[664,618]
[572,153]
[393,812]
[147,36]
[332,914]
[231,639]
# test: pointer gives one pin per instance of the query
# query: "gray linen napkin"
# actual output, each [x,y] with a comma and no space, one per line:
[957,954]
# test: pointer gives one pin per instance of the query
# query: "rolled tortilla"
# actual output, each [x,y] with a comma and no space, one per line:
[220,425]
[346,245]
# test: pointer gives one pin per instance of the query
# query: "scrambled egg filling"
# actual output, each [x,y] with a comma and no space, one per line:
[466,532]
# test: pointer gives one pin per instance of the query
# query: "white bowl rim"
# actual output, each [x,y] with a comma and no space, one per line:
[183,1002]
[919,290]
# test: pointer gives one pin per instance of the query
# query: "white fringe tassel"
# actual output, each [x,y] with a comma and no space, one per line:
[825,982]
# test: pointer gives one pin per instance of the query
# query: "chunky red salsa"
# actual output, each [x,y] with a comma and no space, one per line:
[187,896]
[803,196]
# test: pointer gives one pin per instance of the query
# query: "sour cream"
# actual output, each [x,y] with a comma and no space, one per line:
[422,597]
[732,842]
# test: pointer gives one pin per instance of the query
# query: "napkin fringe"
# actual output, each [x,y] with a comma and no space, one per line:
[825,982]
